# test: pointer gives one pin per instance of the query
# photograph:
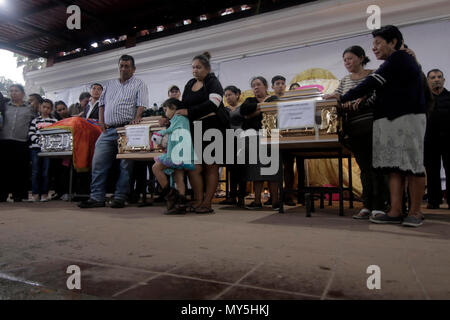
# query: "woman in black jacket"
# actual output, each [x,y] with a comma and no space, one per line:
[202,101]
[399,123]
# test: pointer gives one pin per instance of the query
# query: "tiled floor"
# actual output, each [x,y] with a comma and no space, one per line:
[138,253]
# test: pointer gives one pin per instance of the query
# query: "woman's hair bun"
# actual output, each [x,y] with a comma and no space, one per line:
[207,55]
[366,60]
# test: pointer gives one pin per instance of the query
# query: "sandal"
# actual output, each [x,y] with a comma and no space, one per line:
[203,210]
[363,214]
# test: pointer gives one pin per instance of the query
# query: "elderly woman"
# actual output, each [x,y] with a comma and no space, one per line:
[358,122]
[202,99]
[252,120]
[399,123]
[15,160]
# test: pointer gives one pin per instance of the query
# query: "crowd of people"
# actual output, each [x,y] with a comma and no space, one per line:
[395,122]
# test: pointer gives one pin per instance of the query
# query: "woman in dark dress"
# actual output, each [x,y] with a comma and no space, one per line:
[202,99]
[252,120]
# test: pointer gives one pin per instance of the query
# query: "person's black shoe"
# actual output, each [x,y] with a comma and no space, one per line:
[172,198]
[268,202]
[386,219]
[179,208]
[230,201]
[432,206]
[254,206]
[117,203]
[90,203]
[289,202]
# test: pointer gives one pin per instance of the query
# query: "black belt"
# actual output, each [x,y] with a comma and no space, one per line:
[115,126]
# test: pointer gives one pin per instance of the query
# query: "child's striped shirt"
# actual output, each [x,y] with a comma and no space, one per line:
[35,125]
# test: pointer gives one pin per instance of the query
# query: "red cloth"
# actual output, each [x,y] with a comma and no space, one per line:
[84,135]
[335,196]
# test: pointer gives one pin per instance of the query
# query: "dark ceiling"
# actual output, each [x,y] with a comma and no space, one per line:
[37,28]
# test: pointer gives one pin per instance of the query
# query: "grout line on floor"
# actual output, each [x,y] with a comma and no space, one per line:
[140,283]
[424,291]
[238,281]
[330,281]
[144,282]
[307,295]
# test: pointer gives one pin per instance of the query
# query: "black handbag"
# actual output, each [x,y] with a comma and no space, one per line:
[354,126]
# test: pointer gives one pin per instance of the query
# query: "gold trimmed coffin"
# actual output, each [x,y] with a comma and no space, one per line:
[327,119]
[153,122]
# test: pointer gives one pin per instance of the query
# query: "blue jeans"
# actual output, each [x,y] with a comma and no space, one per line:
[104,155]
[39,173]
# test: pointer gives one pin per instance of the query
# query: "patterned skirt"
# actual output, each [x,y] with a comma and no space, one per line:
[398,144]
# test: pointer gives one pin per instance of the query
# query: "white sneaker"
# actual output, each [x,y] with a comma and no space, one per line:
[65,197]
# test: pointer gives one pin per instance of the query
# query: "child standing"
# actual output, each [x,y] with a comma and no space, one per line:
[39,176]
[178,158]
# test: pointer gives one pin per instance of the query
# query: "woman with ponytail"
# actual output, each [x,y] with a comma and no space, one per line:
[203,102]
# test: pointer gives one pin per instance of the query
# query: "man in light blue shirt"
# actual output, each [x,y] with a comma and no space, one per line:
[122,102]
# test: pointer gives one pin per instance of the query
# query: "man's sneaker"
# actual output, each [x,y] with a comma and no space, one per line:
[254,206]
[117,203]
[386,219]
[412,221]
[90,203]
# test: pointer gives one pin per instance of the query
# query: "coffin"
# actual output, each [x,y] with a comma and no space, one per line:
[326,123]
[137,138]
[74,137]
[55,140]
